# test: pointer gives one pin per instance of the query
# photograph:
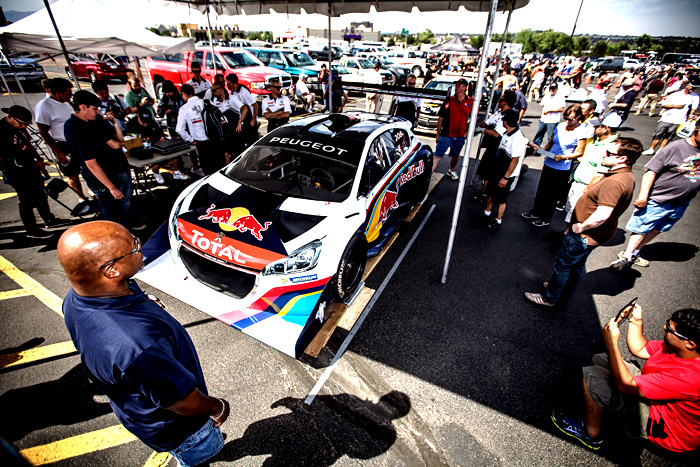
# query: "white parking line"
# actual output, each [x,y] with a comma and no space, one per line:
[322,380]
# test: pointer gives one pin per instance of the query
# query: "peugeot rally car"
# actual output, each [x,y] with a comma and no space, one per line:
[267,242]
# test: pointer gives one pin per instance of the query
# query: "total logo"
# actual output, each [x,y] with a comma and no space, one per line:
[236,219]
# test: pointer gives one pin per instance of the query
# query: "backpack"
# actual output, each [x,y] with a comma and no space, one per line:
[215,124]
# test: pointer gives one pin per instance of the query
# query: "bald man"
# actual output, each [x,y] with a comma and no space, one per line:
[133,350]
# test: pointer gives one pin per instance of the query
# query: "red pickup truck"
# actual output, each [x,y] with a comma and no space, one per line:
[251,72]
[96,67]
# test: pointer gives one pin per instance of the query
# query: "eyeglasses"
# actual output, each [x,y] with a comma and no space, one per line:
[137,248]
[410,84]
[613,154]
[667,327]
[571,119]
[276,87]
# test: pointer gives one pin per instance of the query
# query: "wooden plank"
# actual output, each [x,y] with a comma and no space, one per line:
[358,306]
[319,341]
[372,262]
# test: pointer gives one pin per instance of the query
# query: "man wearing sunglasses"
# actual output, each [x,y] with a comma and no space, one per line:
[661,402]
[133,350]
[276,107]
[22,167]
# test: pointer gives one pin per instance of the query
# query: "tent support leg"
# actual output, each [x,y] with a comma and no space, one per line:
[470,136]
[211,43]
[7,86]
[329,101]
[63,46]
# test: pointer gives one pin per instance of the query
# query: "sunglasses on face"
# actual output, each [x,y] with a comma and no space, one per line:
[137,248]
[667,327]
[571,119]
[276,87]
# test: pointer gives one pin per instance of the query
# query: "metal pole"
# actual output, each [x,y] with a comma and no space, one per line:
[7,86]
[330,66]
[63,46]
[17,80]
[470,137]
[211,42]
[571,38]
[500,58]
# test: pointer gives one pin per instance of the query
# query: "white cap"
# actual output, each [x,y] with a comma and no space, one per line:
[612,120]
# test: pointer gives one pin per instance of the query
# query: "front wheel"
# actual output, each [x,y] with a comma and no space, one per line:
[351,268]
[417,71]
[93,77]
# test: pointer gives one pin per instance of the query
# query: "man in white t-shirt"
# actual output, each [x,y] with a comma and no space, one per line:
[308,97]
[553,105]
[199,84]
[275,107]
[52,112]
[244,96]
[675,112]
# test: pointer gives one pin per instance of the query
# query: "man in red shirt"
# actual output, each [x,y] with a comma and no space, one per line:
[661,402]
[453,119]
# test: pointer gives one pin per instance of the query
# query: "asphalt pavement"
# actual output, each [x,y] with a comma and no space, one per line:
[462,373]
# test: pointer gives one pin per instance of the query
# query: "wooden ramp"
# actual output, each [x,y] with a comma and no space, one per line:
[344,315]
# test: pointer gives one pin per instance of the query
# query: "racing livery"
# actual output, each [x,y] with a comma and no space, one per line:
[268,242]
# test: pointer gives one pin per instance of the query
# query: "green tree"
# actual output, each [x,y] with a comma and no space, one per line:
[563,42]
[624,46]
[476,41]
[614,49]
[425,37]
[600,49]
[545,41]
[410,40]
[581,44]
[154,31]
[224,36]
[525,37]
[644,42]
[391,42]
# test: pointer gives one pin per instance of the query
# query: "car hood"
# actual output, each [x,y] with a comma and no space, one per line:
[246,229]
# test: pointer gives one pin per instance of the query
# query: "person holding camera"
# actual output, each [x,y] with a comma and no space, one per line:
[137,97]
[660,402]
[111,104]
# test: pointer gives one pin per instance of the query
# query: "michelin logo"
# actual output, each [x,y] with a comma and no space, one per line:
[296,280]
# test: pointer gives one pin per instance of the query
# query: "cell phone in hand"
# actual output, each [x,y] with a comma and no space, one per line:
[630,304]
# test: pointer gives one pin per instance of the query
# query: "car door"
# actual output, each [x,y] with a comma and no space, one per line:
[276,61]
[208,68]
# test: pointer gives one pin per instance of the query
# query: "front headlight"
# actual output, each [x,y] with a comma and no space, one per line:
[302,259]
[313,81]
[258,85]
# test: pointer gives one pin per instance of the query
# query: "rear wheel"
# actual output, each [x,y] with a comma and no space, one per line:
[351,268]
[93,76]
[417,71]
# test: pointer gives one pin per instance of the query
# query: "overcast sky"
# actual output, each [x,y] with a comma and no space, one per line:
[617,17]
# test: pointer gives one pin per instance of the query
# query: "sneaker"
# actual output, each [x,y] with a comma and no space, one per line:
[452,174]
[199,172]
[559,207]
[648,152]
[540,223]
[638,260]
[159,178]
[622,263]
[528,215]
[57,222]
[574,427]
[39,234]
[493,226]
[537,299]
[180,176]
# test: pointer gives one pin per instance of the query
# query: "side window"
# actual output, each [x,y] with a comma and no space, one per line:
[376,165]
[177,58]
[210,65]
[199,57]
[402,142]
[388,147]
[278,56]
[265,57]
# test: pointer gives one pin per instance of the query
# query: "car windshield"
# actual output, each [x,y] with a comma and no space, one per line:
[364,63]
[239,59]
[341,70]
[386,60]
[439,85]
[294,173]
[299,59]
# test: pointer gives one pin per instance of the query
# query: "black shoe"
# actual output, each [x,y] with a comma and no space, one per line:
[528,215]
[57,222]
[559,207]
[39,234]
[494,226]
[540,223]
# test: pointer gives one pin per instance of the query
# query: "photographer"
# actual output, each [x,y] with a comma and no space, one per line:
[138,98]
[111,104]
[661,402]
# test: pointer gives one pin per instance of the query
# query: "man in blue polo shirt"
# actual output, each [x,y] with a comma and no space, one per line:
[133,350]
[453,119]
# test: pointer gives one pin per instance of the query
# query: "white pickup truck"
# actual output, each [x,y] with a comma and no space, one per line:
[411,59]
[362,66]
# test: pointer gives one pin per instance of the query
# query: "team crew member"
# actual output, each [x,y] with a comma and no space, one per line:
[453,120]
[190,127]
[243,94]
[276,108]
[506,167]
[199,84]
[416,102]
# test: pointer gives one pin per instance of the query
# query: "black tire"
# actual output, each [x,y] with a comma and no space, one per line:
[92,76]
[417,71]
[159,92]
[351,267]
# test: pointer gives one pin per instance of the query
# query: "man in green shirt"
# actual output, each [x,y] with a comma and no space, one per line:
[590,163]
[138,98]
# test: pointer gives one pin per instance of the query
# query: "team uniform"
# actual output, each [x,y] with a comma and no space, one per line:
[190,127]
[270,104]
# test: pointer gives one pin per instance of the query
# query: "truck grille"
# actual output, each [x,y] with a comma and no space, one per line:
[285,80]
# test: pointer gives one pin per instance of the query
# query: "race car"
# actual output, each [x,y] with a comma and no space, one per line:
[269,241]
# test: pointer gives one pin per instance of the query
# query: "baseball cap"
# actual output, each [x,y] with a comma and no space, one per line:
[613,120]
[462,81]
[628,82]
[19,113]
[87,98]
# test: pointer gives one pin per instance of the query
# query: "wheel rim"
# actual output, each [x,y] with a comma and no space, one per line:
[353,269]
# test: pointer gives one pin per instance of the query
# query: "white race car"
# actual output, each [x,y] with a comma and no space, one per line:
[267,242]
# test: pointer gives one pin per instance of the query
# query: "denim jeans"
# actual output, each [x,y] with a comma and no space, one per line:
[569,265]
[201,446]
[541,129]
[116,210]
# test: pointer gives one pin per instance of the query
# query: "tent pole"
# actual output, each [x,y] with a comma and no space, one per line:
[211,42]
[19,83]
[500,58]
[329,102]
[7,86]
[63,46]
[470,136]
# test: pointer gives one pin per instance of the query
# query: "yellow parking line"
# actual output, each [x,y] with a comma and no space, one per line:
[158,459]
[7,195]
[32,287]
[14,294]
[39,353]
[78,445]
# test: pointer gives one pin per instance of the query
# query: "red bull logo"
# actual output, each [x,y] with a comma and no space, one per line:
[388,203]
[236,219]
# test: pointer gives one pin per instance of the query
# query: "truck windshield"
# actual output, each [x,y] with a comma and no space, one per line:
[299,59]
[239,59]
[294,173]
[364,63]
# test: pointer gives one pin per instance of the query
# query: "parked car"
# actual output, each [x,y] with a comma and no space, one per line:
[412,59]
[611,64]
[361,66]
[322,54]
[631,63]
[400,72]
[27,71]
[287,227]
[94,67]
[251,72]
[294,63]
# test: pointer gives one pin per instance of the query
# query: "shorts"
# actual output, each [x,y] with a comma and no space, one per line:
[604,392]
[201,446]
[72,169]
[655,216]
[665,131]
[454,143]
[497,194]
